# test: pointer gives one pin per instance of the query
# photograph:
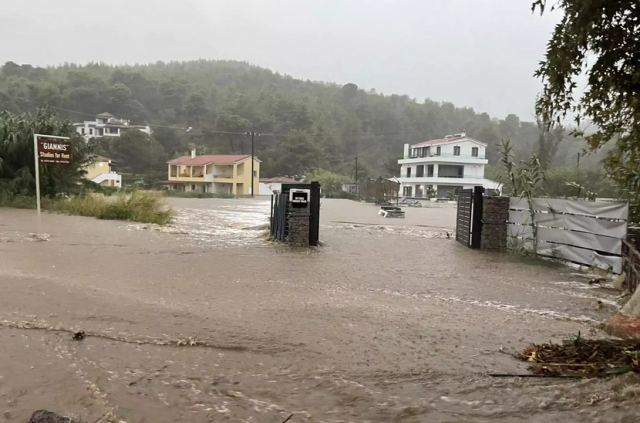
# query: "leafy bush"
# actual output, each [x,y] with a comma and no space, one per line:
[330,182]
[17,201]
[573,182]
[145,207]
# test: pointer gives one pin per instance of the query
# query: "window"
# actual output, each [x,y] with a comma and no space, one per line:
[427,151]
[90,131]
[255,173]
[408,172]
[420,171]
[406,192]
[438,150]
[430,171]
[474,151]
[82,131]
[456,150]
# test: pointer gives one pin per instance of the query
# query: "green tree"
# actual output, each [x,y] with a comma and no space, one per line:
[549,140]
[196,108]
[134,151]
[598,38]
[330,182]
[391,166]
[300,155]
[16,155]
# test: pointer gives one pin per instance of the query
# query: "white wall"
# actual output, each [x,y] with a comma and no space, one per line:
[267,189]
[447,148]
[465,148]
[473,171]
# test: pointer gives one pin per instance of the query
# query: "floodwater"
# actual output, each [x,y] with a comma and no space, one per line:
[205,320]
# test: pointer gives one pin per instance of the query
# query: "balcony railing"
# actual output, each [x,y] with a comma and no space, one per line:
[462,156]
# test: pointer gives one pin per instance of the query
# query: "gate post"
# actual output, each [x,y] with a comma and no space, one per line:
[476,217]
[314,219]
[495,215]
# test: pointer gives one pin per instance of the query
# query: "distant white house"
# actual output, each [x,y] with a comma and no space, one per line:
[443,166]
[269,185]
[107,125]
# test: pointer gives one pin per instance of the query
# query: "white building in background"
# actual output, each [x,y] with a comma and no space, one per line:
[443,166]
[107,125]
[270,185]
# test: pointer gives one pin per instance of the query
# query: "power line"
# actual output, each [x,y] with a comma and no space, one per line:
[251,134]
[264,134]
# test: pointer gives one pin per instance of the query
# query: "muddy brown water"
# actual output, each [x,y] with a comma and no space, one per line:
[388,321]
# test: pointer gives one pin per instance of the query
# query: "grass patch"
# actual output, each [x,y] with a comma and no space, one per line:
[194,194]
[17,201]
[145,207]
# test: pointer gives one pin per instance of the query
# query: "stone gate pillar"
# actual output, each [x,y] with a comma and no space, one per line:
[495,214]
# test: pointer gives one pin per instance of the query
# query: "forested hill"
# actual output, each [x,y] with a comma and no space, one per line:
[305,125]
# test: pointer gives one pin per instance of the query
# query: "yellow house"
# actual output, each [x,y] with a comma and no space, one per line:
[215,173]
[100,171]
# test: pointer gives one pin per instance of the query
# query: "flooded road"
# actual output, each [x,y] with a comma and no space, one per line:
[206,320]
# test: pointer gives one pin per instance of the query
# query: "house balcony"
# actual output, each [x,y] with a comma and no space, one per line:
[444,158]
[435,180]
[188,178]
[225,179]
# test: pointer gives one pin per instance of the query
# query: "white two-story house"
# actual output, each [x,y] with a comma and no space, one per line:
[107,125]
[441,167]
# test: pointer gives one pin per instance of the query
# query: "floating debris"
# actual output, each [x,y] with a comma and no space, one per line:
[41,237]
[579,357]
[44,416]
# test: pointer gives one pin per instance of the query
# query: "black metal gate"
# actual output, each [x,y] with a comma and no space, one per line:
[469,217]
[279,215]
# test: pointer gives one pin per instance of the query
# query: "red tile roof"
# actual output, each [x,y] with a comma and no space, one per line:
[219,159]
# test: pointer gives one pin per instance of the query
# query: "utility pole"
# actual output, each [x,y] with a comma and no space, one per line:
[252,155]
[356,178]
[253,134]
[578,161]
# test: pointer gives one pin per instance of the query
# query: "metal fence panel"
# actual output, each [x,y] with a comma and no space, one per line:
[610,210]
[580,255]
[584,232]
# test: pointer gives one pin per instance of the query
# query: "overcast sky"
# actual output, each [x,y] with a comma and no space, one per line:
[478,53]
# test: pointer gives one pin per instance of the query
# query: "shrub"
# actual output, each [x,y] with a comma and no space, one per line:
[17,201]
[145,207]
